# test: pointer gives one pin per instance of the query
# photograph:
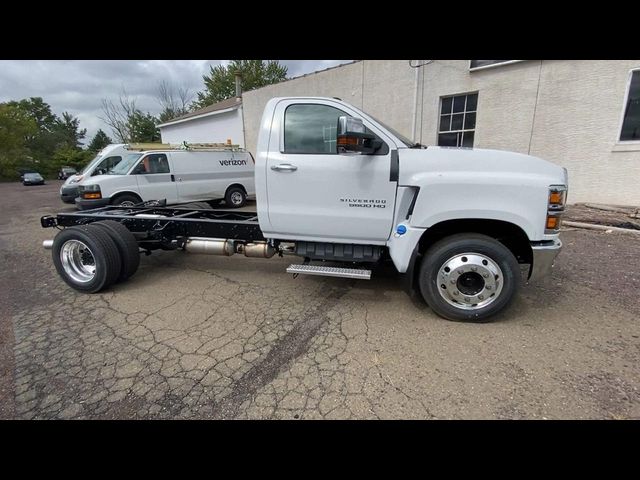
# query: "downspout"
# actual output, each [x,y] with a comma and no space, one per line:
[414,117]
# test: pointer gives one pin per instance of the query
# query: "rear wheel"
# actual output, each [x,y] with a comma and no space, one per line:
[126,244]
[235,197]
[86,258]
[469,277]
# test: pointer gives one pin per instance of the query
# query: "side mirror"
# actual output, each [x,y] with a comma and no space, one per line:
[352,137]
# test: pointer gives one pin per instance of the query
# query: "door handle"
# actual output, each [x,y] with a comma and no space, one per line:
[284,167]
[173,178]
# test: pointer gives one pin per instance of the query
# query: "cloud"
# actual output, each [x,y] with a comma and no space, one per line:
[78,86]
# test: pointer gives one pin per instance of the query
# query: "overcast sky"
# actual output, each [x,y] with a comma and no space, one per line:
[78,86]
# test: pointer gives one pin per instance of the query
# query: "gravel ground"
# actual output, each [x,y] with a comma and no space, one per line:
[194,336]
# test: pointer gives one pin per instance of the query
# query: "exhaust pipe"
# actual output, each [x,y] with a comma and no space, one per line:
[227,248]
[258,250]
[209,246]
[47,244]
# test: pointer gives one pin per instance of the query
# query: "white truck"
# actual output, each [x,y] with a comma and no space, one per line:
[345,192]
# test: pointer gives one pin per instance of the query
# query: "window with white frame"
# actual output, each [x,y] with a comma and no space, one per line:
[478,64]
[457,120]
[631,121]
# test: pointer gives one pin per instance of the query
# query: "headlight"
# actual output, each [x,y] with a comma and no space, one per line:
[89,188]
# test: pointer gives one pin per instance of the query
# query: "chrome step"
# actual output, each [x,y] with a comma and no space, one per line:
[330,271]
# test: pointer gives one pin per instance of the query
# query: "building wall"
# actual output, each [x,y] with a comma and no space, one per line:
[211,129]
[567,112]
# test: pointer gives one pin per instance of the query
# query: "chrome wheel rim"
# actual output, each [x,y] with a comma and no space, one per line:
[236,198]
[127,203]
[470,281]
[78,261]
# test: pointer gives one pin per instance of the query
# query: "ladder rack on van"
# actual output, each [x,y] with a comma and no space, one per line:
[184,146]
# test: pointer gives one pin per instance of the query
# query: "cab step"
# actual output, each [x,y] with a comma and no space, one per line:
[330,271]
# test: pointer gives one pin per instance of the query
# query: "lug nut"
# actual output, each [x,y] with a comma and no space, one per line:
[466,299]
[453,282]
[480,297]
[485,275]
[455,292]
[488,287]
[474,269]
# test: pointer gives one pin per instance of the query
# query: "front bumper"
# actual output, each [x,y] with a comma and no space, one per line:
[84,204]
[544,254]
[68,193]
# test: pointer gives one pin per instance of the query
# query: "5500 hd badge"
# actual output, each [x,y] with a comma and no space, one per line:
[364,203]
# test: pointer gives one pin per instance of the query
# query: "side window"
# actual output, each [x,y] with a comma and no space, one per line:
[312,129]
[153,163]
[106,164]
[631,120]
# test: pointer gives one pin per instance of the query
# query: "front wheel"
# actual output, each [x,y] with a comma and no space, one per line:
[469,277]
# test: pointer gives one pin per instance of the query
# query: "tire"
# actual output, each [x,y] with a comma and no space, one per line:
[235,197]
[462,293]
[126,244]
[72,243]
[126,200]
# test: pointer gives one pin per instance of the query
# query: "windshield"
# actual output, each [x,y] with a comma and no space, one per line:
[123,167]
[90,164]
[31,175]
[402,138]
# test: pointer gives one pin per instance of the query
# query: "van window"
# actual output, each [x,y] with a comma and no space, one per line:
[124,166]
[107,164]
[153,163]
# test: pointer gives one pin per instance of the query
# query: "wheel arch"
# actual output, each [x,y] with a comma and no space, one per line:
[125,192]
[239,185]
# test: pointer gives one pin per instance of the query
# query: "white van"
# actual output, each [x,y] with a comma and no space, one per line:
[174,175]
[105,160]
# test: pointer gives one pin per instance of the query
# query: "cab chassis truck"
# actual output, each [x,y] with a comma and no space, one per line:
[339,189]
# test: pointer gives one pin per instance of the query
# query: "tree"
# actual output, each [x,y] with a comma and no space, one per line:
[129,124]
[16,126]
[117,116]
[42,141]
[67,131]
[220,83]
[67,156]
[99,141]
[143,128]
[173,101]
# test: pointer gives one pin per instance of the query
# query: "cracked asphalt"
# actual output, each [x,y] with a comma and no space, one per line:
[206,337]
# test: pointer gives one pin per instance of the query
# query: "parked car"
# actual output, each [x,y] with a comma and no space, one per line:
[22,171]
[177,176]
[66,172]
[32,178]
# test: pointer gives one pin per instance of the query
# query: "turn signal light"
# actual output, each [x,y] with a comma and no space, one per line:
[553,222]
[91,195]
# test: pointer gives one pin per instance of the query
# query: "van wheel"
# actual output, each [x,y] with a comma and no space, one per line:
[235,197]
[125,200]
[469,277]
[86,258]
[126,244]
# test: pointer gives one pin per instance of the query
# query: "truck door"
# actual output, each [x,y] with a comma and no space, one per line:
[155,180]
[316,193]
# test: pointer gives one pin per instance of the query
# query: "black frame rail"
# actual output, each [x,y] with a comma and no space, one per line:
[168,223]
